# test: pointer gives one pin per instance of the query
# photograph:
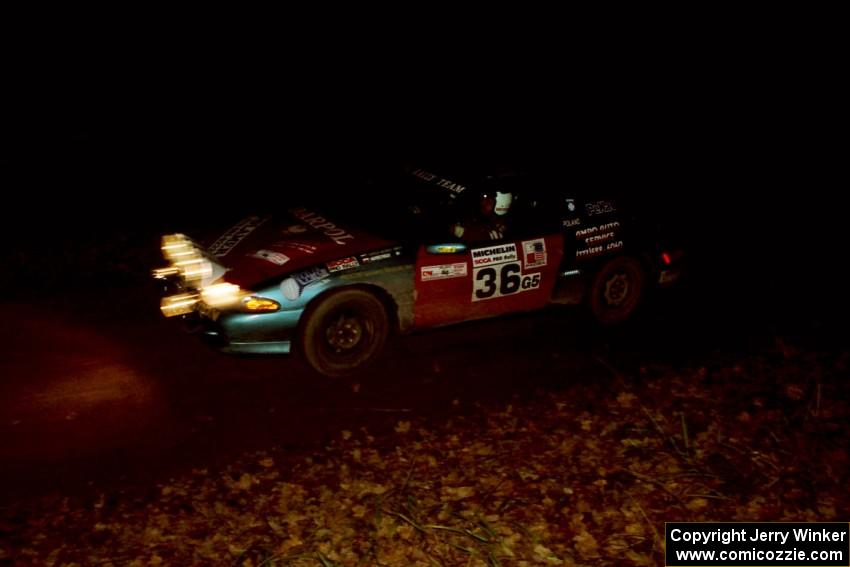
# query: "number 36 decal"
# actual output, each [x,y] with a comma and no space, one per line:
[507,279]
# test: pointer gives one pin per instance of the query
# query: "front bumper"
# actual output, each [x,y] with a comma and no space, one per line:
[243,333]
[669,276]
[210,310]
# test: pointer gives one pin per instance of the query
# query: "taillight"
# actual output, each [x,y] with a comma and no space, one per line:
[668,258]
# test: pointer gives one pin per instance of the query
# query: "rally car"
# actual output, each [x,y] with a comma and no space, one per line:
[334,280]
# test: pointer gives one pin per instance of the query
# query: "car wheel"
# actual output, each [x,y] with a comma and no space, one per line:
[617,290]
[344,332]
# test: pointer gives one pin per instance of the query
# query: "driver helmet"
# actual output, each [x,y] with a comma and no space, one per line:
[502,200]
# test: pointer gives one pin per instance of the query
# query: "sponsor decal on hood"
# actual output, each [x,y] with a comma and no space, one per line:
[261,249]
[331,230]
[230,239]
[275,258]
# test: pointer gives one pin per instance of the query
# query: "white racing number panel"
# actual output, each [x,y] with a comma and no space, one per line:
[497,272]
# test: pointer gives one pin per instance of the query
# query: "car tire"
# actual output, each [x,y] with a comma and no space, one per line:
[344,332]
[617,290]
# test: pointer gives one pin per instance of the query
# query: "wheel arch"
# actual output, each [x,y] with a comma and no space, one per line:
[644,274]
[337,360]
[382,294]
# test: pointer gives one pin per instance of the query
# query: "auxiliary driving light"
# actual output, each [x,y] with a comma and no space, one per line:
[178,304]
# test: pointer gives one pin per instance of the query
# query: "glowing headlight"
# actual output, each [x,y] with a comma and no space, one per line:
[163,273]
[180,251]
[187,260]
[195,268]
[176,247]
[178,304]
[222,294]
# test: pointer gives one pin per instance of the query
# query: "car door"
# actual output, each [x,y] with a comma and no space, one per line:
[461,282]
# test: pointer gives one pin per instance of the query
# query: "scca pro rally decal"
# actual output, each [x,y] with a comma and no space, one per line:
[235,235]
[494,255]
[443,271]
[343,264]
[496,273]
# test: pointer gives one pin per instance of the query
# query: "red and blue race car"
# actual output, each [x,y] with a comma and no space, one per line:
[334,280]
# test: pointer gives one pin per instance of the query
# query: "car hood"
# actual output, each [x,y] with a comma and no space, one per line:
[258,249]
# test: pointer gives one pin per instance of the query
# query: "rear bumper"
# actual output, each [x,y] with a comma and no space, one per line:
[669,276]
[671,266]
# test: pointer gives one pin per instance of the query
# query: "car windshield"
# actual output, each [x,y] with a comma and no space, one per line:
[415,206]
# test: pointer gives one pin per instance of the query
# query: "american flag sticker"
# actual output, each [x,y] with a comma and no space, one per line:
[534,253]
[271,256]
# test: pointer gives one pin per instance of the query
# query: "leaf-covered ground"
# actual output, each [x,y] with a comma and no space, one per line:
[585,474]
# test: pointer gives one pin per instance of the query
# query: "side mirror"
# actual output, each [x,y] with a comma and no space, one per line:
[451,248]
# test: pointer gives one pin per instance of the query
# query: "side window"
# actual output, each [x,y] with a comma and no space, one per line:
[476,235]
[477,222]
[533,216]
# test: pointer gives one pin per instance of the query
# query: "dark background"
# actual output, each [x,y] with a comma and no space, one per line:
[735,134]
[105,151]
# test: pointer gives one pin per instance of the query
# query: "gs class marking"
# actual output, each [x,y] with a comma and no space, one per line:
[498,281]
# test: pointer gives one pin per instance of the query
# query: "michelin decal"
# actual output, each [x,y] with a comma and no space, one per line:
[494,255]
